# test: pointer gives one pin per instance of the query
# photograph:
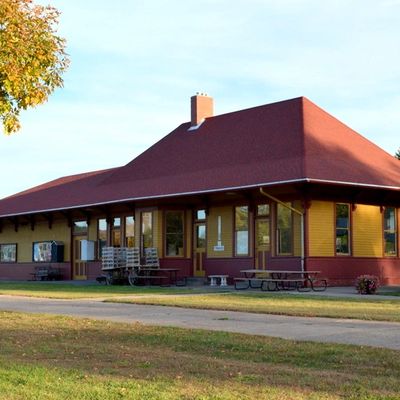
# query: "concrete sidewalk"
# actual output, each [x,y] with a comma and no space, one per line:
[328,330]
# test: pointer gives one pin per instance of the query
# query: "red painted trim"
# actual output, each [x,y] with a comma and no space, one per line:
[344,271]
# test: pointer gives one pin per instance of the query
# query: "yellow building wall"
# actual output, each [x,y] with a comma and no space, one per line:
[92,230]
[297,229]
[25,238]
[367,231]
[226,214]
[321,229]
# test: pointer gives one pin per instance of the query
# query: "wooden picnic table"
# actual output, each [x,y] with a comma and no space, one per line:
[282,280]
[172,274]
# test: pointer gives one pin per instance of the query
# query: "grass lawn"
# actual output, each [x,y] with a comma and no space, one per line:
[72,291]
[51,358]
[282,304]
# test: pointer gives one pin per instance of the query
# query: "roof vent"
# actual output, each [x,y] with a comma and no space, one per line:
[202,107]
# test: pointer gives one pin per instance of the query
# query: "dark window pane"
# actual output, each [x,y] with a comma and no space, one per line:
[80,227]
[8,253]
[342,241]
[130,231]
[201,236]
[147,230]
[263,209]
[42,252]
[174,233]
[284,229]
[242,230]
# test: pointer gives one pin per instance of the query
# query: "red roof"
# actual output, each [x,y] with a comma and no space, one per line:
[292,140]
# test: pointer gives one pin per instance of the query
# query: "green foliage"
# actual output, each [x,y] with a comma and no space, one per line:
[32,58]
[397,155]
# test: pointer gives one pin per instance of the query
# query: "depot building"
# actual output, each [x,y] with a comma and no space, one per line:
[279,186]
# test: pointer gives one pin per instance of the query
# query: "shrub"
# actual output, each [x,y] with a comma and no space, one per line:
[367,284]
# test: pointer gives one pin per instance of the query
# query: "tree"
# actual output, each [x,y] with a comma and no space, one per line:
[397,155]
[32,58]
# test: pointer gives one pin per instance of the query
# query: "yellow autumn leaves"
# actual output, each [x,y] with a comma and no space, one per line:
[32,58]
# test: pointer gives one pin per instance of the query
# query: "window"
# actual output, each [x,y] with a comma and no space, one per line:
[262,210]
[200,215]
[174,233]
[42,252]
[80,227]
[284,222]
[242,231]
[342,229]
[101,235]
[146,230]
[130,231]
[116,232]
[390,231]
[8,252]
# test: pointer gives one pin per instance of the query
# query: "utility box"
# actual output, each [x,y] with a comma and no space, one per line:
[57,251]
[87,250]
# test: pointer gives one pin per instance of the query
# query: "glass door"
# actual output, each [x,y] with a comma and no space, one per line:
[199,248]
[78,266]
[262,242]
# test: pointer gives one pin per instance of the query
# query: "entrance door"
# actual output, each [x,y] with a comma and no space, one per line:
[262,242]
[199,248]
[78,266]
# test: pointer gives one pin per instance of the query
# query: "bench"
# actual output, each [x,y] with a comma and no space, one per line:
[285,284]
[148,279]
[249,283]
[47,273]
[222,279]
[278,284]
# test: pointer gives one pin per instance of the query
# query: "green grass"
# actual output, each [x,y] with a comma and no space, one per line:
[282,304]
[54,358]
[72,291]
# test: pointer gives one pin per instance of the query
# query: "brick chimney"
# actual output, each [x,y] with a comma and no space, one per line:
[202,107]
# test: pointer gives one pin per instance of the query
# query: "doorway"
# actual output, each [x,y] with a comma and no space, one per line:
[78,266]
[199,248]
[262,242]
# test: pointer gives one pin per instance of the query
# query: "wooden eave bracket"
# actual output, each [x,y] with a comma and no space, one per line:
[49,219]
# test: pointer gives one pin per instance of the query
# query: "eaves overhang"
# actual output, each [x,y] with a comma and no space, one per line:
[199,192]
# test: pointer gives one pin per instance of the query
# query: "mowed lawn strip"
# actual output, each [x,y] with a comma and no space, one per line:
[51,357]
[282,304]
[74,291]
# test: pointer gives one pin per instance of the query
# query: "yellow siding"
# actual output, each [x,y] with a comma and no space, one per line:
[25,237]
[367,231]
[321,229]
[297,229]
[226,214]
[92,230]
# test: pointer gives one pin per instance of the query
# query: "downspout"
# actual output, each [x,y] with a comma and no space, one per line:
[301,222]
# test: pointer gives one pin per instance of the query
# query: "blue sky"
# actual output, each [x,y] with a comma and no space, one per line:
[135,64]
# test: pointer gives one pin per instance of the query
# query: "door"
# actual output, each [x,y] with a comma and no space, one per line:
[262,243]
[78,266]
[199,248]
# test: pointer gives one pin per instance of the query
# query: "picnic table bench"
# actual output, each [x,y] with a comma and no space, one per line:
[47,273]
[273,280]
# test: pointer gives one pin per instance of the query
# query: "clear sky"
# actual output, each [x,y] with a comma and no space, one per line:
[135,64]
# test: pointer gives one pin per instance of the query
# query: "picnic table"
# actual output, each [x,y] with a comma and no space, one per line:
[272,280]
[170,275]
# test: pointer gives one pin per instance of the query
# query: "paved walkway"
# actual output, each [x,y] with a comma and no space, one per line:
[378,334]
